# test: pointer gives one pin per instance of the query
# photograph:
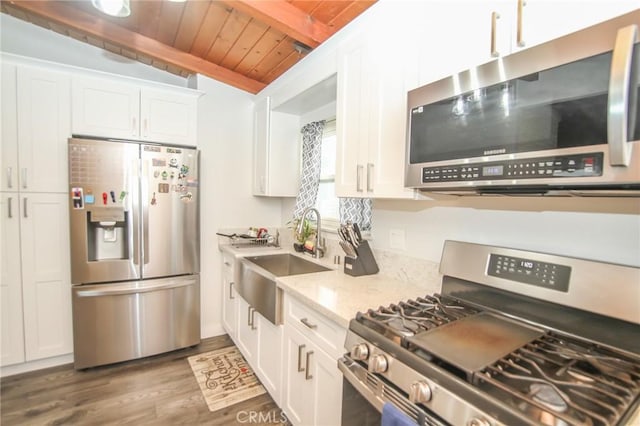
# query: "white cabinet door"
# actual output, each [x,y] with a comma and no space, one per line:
[44,116]
[261,112]
[103,107]
[371,119]
[543,20]
[247,338]
[229,296]
[276,151]
[327,389]
[46,280]
[9,130]
[269,362]
[168,117]
[313,390]
[11,326]
[352,118]
[297,400]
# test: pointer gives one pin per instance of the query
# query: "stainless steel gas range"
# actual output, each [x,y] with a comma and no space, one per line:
[514,338]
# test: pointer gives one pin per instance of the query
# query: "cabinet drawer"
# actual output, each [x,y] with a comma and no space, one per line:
[228,263]
[322,331]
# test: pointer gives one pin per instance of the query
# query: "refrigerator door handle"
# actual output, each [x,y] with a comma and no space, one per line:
[132,288]
[135,200]
[145,211]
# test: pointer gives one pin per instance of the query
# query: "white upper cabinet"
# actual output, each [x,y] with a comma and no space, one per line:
[35,126]
[276,151]
[108,108]
[9,129]
[168,117]
[373,80]
[544,20]
[105,108]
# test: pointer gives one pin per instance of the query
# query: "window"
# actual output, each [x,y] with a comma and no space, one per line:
[327,203]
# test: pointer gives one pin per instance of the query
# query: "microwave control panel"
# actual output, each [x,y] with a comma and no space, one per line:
[580,165]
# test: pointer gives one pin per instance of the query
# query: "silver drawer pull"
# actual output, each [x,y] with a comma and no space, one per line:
[308,324]
[300,367]
[9,207]
[227,263]
[231,296]
[307,374]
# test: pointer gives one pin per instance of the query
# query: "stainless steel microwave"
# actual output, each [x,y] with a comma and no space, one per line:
[559,118]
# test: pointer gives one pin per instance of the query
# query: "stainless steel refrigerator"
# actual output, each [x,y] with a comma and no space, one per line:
[134,249]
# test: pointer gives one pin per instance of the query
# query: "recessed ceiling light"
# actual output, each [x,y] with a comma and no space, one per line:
[119,8]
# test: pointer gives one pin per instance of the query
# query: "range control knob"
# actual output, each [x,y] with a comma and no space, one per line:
[360,352]
[378,363]
[419,392]
[478,422]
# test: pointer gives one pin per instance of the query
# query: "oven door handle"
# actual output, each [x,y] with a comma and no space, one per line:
[349,370]
[356,375]
[621,97]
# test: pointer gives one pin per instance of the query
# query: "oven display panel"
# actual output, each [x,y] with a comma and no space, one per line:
[528,271]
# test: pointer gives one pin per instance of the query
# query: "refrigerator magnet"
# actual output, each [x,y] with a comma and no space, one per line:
[153,199]
[77,198]
[173,163]
[158,162]
[89,199]
[186,198]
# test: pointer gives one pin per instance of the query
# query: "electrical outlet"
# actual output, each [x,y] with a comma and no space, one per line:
[397,239]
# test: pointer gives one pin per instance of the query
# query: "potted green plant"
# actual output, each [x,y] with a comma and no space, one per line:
[301,237]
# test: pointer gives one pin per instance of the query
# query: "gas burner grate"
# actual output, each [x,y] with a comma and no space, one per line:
[563,381]
[414,316]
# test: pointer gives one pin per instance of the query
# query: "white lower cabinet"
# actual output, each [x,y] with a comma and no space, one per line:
[312,380]
[35,277]
[260,342]
[295,362]
[313,383]
[229,296]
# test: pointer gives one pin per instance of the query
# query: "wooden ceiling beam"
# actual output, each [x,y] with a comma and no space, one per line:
[76,19]
[286,18]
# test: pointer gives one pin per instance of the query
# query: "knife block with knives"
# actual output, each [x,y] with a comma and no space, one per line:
[359,258]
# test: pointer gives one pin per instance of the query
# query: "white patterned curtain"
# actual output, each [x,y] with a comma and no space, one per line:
[310,178]
[356,210]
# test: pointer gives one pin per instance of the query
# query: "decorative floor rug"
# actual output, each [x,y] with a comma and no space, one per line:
[224,377]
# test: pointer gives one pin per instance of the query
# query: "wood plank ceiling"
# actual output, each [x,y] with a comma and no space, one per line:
[244,43]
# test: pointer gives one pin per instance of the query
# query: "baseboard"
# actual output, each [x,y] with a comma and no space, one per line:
[26,367]
[212,330]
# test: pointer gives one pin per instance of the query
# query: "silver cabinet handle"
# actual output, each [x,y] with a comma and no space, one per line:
[24,177]
[133,126]
[10,212]
[227,263]
[253,319]
[494,23]
[359,169]
[9,176]
[146,127]
[24,204]
[249,316]
[308,324]
[369,177]
[519,39]
[307,374]
[231,296]
[300,349]
[619,92]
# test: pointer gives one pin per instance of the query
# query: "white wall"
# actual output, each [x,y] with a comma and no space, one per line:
[594,228]
[26,39]
[225,129]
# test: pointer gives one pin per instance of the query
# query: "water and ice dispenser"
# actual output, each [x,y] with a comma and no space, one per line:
[107,234]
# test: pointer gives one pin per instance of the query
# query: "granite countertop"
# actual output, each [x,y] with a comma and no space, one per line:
[339,296]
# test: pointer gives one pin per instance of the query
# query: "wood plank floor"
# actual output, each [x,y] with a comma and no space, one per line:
[159,390]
